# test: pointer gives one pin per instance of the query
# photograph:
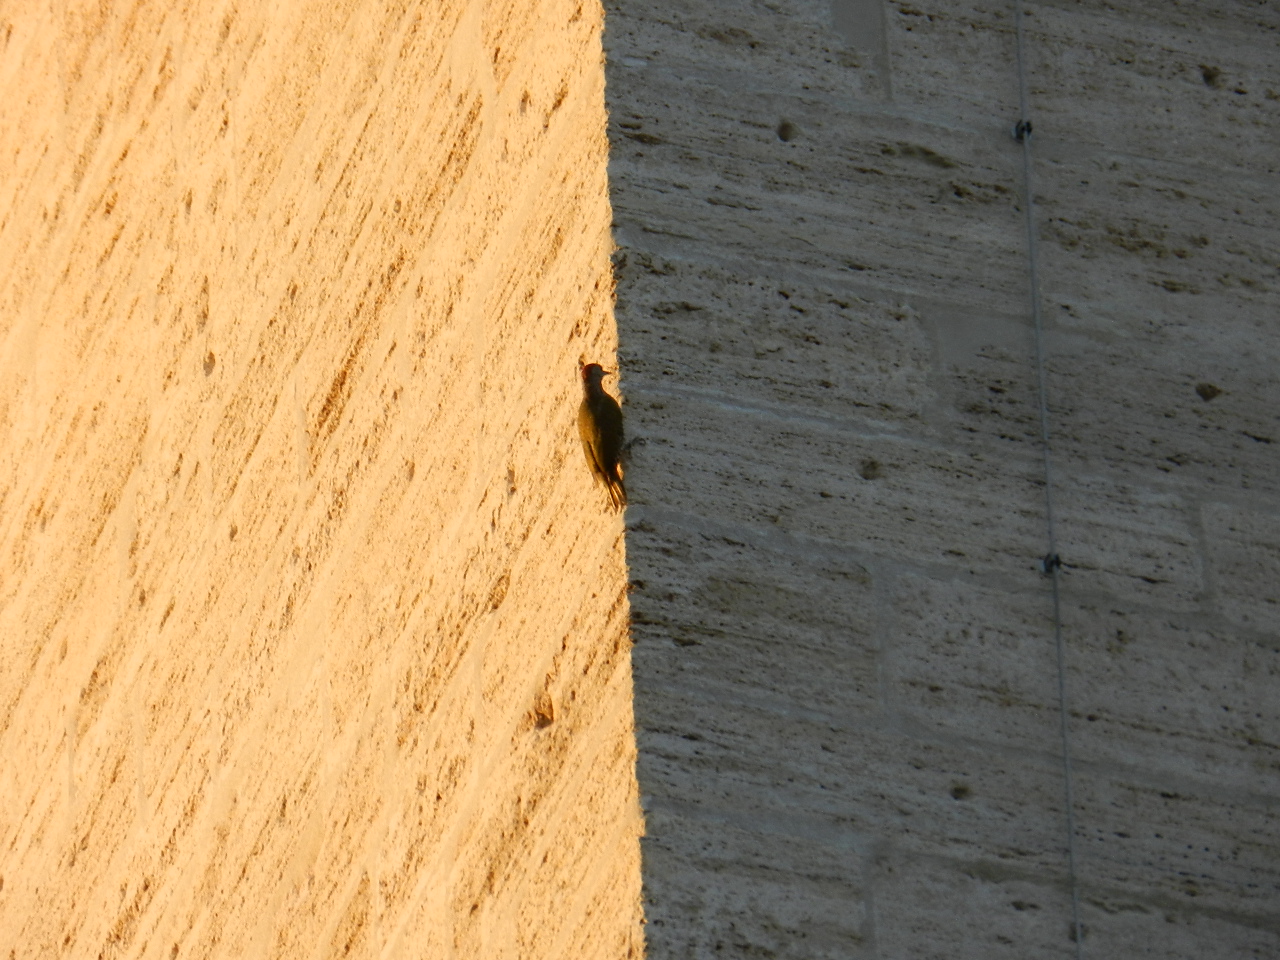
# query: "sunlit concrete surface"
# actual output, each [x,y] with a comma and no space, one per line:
[313,624]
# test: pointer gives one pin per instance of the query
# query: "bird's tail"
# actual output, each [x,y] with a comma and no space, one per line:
[617,492]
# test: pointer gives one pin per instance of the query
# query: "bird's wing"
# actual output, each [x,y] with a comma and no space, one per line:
[587,431]
[609,415]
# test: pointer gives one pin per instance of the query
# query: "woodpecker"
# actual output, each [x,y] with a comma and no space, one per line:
[600,426]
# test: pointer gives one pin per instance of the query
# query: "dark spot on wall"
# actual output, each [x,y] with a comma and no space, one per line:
[1212,76]
[202,309]
[1207,391]
[682,306]
[544,711]
[729,36]
[918,152]
[787,131]
[499,591]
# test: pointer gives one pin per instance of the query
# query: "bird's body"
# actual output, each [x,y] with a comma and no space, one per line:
[600,426]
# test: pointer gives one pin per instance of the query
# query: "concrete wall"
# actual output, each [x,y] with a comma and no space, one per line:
[846,678]
[313,625]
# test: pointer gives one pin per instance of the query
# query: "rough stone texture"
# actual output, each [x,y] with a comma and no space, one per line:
[313,624]
[846,680]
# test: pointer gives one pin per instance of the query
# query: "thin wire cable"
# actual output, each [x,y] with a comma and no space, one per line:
[1052,564]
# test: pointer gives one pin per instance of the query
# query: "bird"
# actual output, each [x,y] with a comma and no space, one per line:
[600,426]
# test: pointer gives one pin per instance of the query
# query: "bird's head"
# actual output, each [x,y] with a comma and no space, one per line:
[592,374]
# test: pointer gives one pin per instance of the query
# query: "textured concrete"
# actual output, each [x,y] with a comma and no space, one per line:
[846,680]
[313,624]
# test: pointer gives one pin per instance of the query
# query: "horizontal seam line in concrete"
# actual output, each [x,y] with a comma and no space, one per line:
[812,550]
[908,727]
[835,280]
[801,546]
[722,400]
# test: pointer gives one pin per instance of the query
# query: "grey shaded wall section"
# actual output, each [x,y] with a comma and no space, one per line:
[845,671]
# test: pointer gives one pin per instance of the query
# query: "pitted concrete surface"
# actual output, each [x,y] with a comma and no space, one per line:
[313,624]
[846,680]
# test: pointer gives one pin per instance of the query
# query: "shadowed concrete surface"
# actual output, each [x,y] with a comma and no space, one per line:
[313,624]
[846,678]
